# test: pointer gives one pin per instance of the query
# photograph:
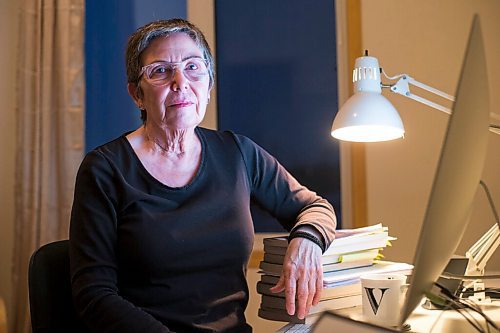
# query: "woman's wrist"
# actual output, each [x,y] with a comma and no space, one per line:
[301,233]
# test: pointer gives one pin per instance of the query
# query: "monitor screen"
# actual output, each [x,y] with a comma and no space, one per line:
[458,174]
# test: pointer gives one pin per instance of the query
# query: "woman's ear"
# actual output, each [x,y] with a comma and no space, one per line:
[209,92]
[135,92]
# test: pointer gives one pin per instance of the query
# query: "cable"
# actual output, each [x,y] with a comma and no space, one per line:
[468,304]
[453,303]
[392,77]
[490,292]
[457,304]
[495,128]
[472,306]
[475,307]
[490,200]
[452,276]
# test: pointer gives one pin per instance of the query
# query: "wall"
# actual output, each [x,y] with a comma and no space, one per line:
[108,24]
[8,65]
[427,40]
[273,89]
[201,13]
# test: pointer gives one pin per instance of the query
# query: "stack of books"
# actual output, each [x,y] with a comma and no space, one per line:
[353,253]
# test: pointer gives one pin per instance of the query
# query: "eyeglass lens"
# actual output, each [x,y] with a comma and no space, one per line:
[161,72]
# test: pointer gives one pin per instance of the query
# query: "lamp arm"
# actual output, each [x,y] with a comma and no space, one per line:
[481,251]
[402,87]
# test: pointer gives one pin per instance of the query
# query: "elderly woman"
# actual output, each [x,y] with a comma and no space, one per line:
[161,230]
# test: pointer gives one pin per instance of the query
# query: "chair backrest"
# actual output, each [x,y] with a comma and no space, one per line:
[51,303]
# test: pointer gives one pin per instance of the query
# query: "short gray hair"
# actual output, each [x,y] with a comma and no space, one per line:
[143,36]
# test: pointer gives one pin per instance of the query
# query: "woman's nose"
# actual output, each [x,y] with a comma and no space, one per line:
[179,80]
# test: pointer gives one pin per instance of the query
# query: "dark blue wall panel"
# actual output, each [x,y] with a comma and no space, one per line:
[277,84]
[109,109]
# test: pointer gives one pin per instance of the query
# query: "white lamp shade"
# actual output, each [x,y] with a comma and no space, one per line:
[367,117]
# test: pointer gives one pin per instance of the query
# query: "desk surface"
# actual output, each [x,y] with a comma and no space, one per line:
[425,321]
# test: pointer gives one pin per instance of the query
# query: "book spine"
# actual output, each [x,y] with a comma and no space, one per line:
[277,268]
[278,304]
[326,293]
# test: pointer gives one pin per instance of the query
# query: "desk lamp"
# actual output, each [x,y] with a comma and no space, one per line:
[368,116]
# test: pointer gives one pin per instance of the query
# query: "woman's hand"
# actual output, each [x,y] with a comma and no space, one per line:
[301,277]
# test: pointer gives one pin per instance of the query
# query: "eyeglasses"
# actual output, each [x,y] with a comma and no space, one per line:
[162,72]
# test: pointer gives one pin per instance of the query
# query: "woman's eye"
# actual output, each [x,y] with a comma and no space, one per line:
[191,66]
[160,70]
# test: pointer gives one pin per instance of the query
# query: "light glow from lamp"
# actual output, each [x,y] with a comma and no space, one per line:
[367,117]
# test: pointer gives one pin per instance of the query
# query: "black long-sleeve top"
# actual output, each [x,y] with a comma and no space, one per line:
[146,257]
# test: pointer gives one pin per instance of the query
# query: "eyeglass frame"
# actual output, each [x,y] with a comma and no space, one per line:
[174,66]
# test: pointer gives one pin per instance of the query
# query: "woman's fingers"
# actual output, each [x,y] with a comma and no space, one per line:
[287,282]
[302,275]
[318,288]
[290,293]
[280,286]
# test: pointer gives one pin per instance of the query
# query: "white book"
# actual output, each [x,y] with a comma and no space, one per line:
[363,242]
[327,293]
[342,236]
[347,241]
[273,279]
[352,275]
[378,267]
[271,268]
[330,259]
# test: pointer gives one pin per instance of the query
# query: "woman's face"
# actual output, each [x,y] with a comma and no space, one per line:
[181,103]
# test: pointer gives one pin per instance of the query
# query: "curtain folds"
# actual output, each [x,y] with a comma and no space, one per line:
[50,132]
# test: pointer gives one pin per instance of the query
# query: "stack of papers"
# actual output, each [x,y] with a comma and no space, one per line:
[353,253]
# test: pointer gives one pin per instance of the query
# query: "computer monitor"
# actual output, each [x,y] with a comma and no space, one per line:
[457,176]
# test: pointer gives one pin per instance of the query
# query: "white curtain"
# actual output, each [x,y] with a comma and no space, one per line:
[50,132]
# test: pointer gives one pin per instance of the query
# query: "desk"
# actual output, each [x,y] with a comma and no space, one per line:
[423,320]
[437,321]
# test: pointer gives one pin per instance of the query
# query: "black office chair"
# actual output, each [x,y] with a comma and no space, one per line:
[51,305]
